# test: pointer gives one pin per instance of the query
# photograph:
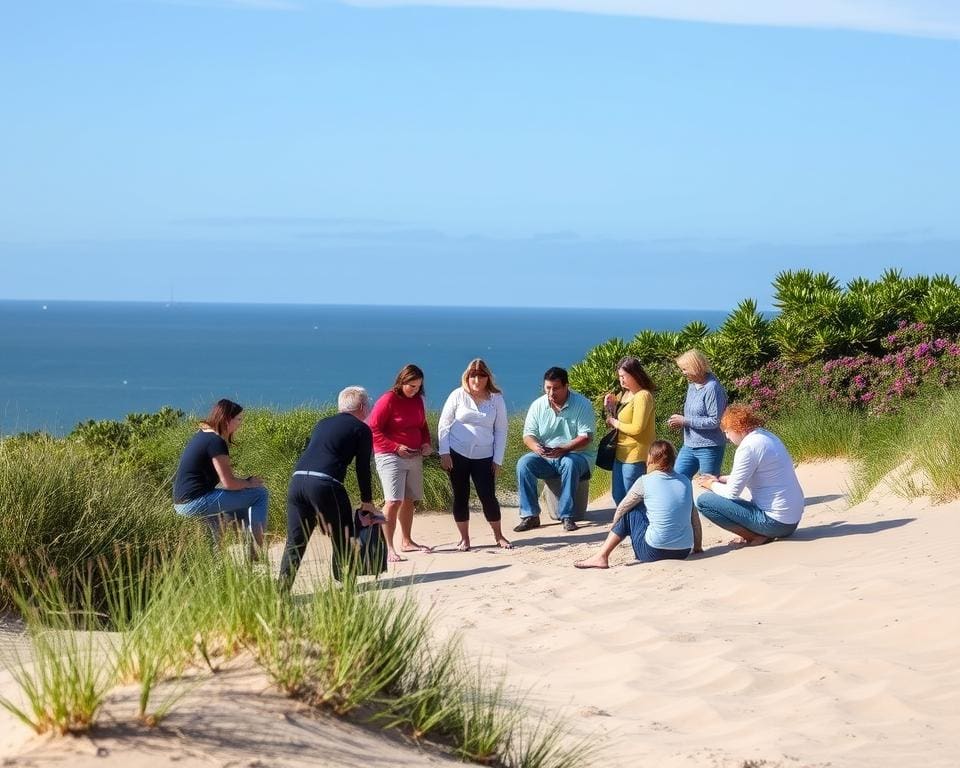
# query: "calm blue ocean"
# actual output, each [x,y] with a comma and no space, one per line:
[64,362]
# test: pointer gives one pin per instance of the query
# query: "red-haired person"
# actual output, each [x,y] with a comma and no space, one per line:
[401,438]
[761,465]
[205,464]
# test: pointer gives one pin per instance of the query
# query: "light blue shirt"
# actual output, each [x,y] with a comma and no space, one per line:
[575,418]
[668,498]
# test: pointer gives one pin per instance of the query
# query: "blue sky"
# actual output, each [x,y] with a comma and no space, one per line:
[541,152]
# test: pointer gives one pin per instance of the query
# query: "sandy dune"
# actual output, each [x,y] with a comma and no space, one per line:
[836,647]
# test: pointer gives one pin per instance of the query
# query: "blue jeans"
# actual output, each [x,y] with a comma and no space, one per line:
[634,525]
[706,461]
[571,469]
[247,507]
[741,513]
[625,475]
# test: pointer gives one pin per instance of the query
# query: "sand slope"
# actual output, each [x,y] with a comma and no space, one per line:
[836,647]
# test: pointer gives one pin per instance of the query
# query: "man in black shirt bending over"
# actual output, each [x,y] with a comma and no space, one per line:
[316,488]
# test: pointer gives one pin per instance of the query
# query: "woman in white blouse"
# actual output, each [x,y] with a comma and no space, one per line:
[473,436]
[762,466]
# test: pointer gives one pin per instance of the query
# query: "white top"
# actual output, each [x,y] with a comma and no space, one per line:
[763,465]
[472,429]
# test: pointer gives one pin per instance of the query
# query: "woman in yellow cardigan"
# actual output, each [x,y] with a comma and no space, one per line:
[632,415]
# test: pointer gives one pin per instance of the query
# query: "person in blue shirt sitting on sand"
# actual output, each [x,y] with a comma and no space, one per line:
[655,513]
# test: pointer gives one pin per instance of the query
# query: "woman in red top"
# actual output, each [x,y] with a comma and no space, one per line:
[401,438]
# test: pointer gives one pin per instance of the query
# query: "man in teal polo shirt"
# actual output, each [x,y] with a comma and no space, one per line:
[559,433]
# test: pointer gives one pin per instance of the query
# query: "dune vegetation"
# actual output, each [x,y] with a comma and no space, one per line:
[866,371]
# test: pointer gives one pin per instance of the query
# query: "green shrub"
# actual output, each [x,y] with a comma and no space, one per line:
[66,507]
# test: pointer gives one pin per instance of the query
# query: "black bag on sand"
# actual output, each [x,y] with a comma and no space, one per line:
[373,548]
[607,450]
[371,551]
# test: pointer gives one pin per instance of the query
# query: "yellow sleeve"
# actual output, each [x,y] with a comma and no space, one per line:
[638,412]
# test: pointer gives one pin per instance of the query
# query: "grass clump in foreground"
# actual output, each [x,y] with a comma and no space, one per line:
[352,649]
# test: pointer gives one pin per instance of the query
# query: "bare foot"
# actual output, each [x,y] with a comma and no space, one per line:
[463,546]
[504,544]
[393,557]
[594,562]
[754,541]
[412,546]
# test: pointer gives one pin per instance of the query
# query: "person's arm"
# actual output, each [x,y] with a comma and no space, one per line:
[362,463]
[378,419]
[500,425]
[447,416]
[446,421]
[229,480]
[745,462]
[633,498]
[531,431]
[642,405]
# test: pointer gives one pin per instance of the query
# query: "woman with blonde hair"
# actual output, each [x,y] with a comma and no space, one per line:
[472,432]
[703,440]
[401,438]
[761,465]
[632,414]
[205,463]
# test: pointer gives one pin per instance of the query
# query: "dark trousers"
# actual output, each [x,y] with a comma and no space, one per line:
[312,501]
[481,471]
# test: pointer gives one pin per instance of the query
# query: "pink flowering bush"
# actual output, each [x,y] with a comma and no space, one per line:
[912,362]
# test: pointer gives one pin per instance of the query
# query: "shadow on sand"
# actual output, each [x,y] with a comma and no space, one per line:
[843,528]
[425,578]
[809,502]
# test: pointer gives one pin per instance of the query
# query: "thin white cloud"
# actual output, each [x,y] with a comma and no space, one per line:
[256,5]
[926,18]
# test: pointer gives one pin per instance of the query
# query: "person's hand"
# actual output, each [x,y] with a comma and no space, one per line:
[370,515]
[675,421]
[426,449]
[405,453]
[612,422]
[495,467]
[545,451]
[446,463]
[705,481]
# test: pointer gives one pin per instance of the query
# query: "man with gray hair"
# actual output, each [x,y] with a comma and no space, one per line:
[316,489]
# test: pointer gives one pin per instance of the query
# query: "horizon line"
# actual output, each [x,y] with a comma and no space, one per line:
[175,303]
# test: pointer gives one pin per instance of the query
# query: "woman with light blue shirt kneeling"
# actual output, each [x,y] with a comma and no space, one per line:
[655,514]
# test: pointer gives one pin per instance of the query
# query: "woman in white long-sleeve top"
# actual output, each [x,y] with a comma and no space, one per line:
[763,466]
[473,437]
